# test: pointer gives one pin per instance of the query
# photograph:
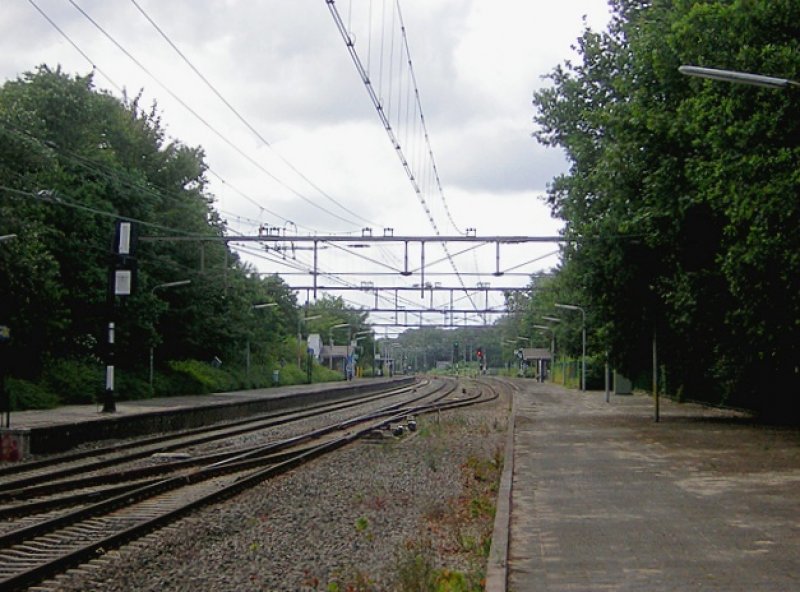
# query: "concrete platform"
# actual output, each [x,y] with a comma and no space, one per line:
[58,430]
[604,498]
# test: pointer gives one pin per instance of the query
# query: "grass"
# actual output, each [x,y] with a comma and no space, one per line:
[362,524]
[466,520]
[449,552]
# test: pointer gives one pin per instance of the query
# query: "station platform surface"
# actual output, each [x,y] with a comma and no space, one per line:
[604,498]
[69,414]
[63,428]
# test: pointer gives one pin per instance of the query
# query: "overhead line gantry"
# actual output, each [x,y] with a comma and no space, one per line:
[274,235]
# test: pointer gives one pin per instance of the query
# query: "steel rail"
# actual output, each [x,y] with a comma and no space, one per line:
[90,550]
[137,475]
[182,439]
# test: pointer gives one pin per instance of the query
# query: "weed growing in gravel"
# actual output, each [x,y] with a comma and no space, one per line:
[362,524]
[429,427]
[485,470]
[456,420]
[415,571]
[351,580]
[466,521]
[435,511]
[431,460]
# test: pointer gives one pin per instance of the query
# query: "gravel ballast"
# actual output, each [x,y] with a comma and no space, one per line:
[374,515]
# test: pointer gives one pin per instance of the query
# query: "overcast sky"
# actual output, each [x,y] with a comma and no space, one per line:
[283,65]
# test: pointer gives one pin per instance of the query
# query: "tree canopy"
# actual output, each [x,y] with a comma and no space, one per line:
[73,161]
[681,202]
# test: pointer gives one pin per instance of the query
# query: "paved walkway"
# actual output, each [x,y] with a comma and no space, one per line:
[68,414]
[603,498]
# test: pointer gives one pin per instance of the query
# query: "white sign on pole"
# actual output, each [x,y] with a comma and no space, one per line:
[124,245]
[123,281]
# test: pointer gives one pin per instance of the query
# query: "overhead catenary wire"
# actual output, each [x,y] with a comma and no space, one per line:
[399,111]
[194,113]
[243,120]
[387,125]
[418,103]
[58,198]
[205,122]
[75,46]
[308,269]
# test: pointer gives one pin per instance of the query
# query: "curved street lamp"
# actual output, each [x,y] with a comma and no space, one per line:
[552,331]
[303,320]
[153,291]
[738,77]
[583,338]
[330,340]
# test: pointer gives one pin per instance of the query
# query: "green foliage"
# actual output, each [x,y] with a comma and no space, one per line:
[681,198]
[453,581]
[193,377]
[423,348]
[72,160]
[415,570]
[131,386]
[28,395]
[320,373]
[72,381]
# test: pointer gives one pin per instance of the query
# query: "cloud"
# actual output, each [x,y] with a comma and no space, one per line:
[499,156]
[285,68]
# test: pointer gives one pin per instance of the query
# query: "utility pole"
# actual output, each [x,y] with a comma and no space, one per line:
[121,279]
[655,379]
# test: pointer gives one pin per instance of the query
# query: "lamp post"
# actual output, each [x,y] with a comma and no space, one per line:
[152,292]
[247,350]
[330,340]
[358,337]
[5,336]
[374,354]
[552,341]
[738,77]
[522,364]
[300,320]
[564,358]
[583,338]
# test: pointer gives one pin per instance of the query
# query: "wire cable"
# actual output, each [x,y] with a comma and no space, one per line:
[241,118]
[202,120]
[75,46]
[383,116]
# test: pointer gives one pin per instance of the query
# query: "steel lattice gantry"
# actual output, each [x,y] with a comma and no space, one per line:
[277,235]
[283,242]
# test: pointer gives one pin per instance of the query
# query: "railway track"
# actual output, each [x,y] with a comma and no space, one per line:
[45,489]
[84,461]
[47,543]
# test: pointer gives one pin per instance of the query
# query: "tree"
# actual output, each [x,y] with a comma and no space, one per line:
[681,200]
[75,160]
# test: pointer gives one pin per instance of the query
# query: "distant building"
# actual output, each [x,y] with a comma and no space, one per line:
[335,356]
[538,358]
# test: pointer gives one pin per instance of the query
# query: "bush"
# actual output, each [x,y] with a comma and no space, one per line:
[131,386]
[291,374]
[320,373]
[191,377]
[72,381]
[27,395]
